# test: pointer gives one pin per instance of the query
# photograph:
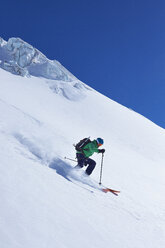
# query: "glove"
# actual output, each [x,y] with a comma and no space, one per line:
[101,150]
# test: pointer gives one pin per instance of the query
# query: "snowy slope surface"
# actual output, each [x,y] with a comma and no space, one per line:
[40,119]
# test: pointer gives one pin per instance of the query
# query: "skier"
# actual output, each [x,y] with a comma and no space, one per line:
[86,151]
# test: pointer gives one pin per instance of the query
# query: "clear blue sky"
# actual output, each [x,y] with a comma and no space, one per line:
[115,46]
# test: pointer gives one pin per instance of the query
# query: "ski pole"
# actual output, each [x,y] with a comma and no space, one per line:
[70,159]
[101,170]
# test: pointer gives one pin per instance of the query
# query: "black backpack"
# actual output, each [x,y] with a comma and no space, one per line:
[79,146]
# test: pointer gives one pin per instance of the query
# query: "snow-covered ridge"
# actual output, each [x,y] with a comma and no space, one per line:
[20,58]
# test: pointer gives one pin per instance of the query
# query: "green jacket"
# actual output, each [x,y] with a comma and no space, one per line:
[89,149]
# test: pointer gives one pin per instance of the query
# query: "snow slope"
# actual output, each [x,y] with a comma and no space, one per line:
[40,119]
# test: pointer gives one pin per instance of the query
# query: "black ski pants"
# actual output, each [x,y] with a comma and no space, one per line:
[83,161]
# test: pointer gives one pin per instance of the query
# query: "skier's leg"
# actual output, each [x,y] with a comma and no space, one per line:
[80,159]
[91,166]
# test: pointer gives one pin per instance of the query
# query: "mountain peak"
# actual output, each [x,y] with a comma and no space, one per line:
[20,58]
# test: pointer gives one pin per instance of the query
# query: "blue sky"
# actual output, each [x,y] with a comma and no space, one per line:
[115,46]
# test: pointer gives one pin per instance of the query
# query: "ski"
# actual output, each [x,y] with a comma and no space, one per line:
[115,192]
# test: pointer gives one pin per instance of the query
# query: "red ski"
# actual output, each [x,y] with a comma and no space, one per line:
[115,192]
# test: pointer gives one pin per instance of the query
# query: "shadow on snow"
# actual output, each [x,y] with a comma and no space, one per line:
[61,167]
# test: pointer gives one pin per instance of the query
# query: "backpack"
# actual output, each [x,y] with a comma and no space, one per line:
[79,146]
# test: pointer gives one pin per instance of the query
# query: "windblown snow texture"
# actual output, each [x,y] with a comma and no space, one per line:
[45,202]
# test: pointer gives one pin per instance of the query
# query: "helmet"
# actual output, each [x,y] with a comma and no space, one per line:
[100,141]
